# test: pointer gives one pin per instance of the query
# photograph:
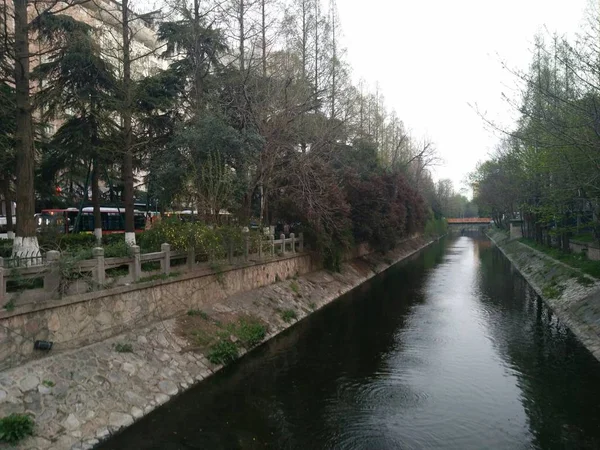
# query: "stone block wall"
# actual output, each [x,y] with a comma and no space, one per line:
[80,320]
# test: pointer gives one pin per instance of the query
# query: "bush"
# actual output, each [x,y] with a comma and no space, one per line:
[15,427]
[123,348]
[206,240]
[250,333]
[6,246]
[288,315]
[66,242]
[223,352]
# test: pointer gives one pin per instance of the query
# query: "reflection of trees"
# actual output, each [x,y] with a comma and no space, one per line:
[277,396]
[558,378]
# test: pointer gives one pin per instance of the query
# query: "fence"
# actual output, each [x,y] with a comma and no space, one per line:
[60,276]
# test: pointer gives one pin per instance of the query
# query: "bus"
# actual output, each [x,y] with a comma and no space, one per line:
[64,220]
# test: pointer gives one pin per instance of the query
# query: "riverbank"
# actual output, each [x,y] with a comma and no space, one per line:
[81,397]
[572,295]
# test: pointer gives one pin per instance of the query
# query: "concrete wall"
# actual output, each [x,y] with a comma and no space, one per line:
[80,320]
[593,252]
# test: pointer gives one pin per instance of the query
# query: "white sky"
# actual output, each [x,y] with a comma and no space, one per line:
[432,58]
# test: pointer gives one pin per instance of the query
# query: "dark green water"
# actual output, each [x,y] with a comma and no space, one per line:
[449,350]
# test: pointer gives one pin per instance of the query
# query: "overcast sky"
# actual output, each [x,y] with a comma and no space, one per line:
[432,58]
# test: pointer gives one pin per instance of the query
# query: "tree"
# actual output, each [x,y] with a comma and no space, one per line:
[77,79]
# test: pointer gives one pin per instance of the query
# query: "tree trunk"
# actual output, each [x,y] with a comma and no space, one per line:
[96,201]
[264,38]
[26,240]
[333,60]
[127,129]
[242,42]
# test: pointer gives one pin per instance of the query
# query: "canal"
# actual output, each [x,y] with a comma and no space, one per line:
[447,350]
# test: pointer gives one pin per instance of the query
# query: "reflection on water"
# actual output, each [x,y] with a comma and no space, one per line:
[448,350]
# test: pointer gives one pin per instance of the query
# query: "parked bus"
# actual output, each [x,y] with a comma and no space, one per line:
[64,220]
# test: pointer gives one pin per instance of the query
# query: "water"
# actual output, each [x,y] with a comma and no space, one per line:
[449,350]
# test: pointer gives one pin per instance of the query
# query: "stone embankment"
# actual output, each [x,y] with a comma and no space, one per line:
[572,295]
[80,397]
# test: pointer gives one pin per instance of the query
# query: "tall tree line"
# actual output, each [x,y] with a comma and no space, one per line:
[546,170]
[245,105]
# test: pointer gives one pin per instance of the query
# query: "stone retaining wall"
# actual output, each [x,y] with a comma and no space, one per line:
[84,319]
[96,390]
[577,304]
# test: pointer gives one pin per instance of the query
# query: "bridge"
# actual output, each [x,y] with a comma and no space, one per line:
[467,224]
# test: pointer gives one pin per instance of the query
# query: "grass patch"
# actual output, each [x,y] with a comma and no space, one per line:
[584,237]
[123,347]
[288,315]
[48,383]
[10,305]
[584,281]
[223,352]
[553,291]
[250,332]
[312,306]
[201,338]
[15,427]
[197,313]
[295,287]
[576,260]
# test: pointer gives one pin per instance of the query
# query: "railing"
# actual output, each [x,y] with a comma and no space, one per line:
[57,272]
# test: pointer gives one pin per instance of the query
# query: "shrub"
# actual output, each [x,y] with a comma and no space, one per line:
[6,246]
[250,333]
[223,352]
[122,347]
[288,315]
[15,427]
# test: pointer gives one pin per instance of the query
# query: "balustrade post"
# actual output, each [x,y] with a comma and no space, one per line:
[165,262]
[99,274]
[282,237]
[52,275]
[191,257]
[301,243]
[272,244]
[293,238]
[136,266]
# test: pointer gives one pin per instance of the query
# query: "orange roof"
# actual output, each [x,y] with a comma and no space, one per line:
[470,220]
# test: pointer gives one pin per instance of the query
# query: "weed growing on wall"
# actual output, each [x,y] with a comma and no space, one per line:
[288,315]
[295,287]
[15,427]
[122,347]
[223,352]
[249,332]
